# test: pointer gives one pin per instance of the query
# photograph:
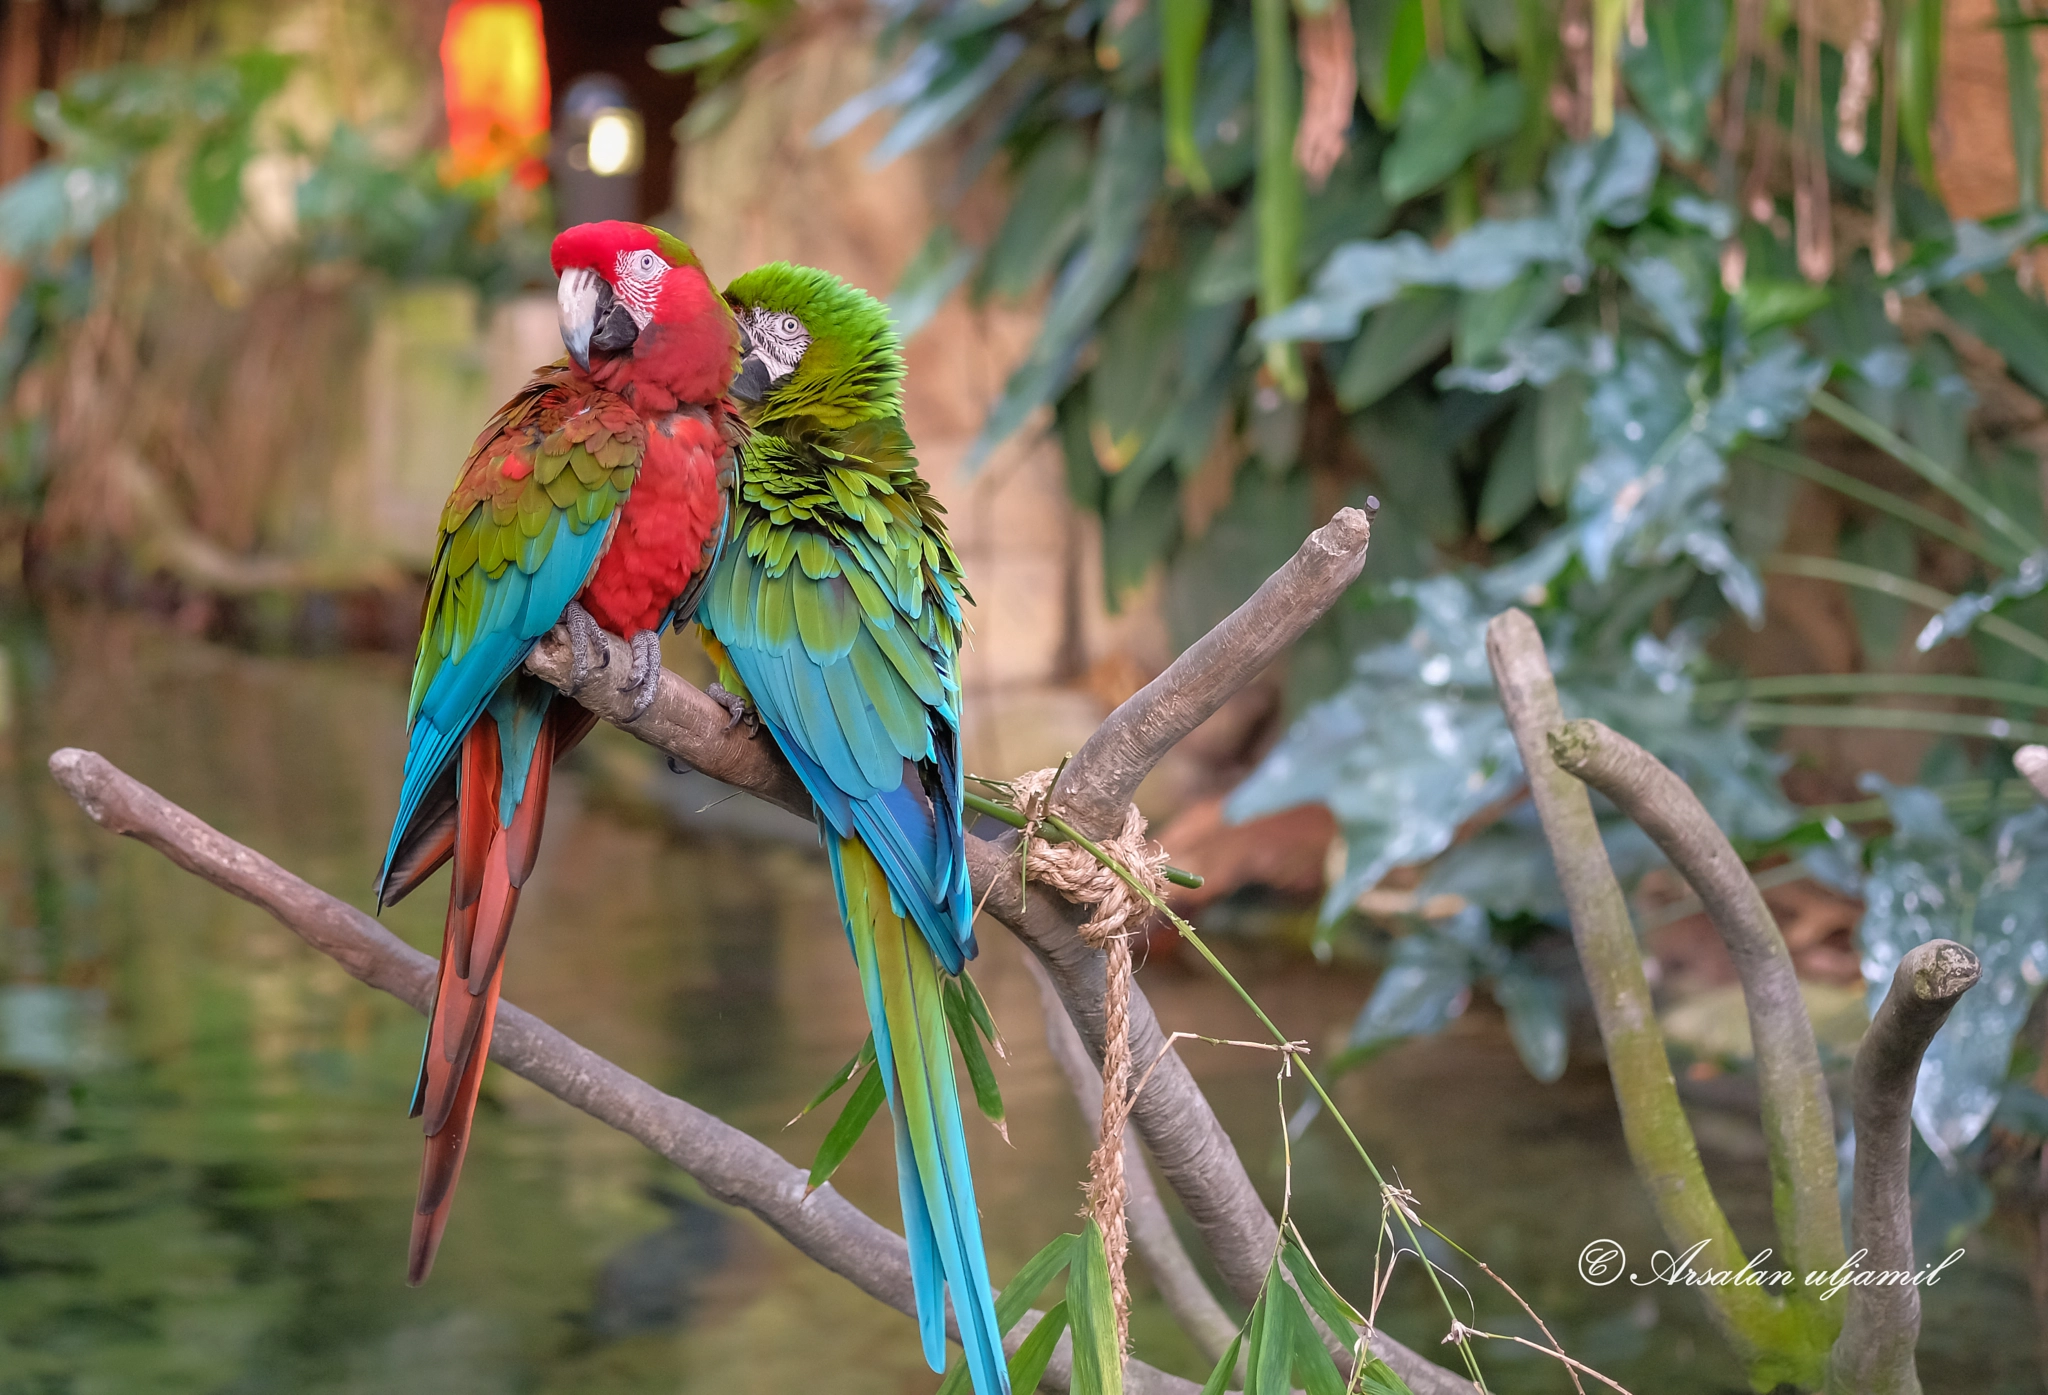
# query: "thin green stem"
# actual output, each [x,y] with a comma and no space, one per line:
[1188,933]
[1905,589]
[1003,813]
[1792,714]
[1928,468]
[1906,511]
[1880,684]
[1968,794]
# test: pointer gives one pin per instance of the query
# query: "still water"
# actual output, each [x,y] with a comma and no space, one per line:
[206,1171]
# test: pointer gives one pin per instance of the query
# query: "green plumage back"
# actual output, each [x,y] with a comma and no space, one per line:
[853,370]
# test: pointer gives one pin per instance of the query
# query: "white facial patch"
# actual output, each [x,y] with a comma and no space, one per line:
[636,277]
[779,340]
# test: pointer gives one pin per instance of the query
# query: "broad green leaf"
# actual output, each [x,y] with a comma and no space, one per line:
[1048,210]
[860,1059]
[1378,1378]
[1220,1378]
[1098,1364]
[853,1121]
[1674,75]
[1447,115]
[1919,83]
[1766,302]
[971,71]
[1391,50]
[941,264]
[988,1097]
[1534,1004]
[1511,480]
[1312,1364]
[1562,443]
[1185,26]
[1034,1353]
[1401,337]
[1277,192]
[1488,319]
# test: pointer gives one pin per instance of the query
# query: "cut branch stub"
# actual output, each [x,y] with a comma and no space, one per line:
[1881,1324]
[1105,773]
[1798,1121]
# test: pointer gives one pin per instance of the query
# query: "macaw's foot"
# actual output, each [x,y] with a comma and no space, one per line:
[736,707]
[645,680]
[586,637]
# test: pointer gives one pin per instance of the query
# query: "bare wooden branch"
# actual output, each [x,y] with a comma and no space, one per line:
[1660,1141]
[1180,1284]
[732,1166]
[1106,771]
[1881,1326]
[681,721]
[1798,1120]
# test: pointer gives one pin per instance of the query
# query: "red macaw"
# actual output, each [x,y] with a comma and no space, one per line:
[596,499]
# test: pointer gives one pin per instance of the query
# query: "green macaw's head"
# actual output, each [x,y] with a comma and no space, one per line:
[813,346]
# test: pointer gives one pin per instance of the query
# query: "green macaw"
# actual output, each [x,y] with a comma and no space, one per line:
[833,614]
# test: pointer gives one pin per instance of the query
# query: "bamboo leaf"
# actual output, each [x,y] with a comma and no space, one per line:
[1376,1377]
[1030,1281]
[1185,25]
[1219,1379]
[960,1017]
[983,1018]
[846,1130]
[1312,1364]
[863,1057]
[1271,1358]
[1098,1364]
[1034,1353]
[2023,97]
[1337,1314]
[1919,82]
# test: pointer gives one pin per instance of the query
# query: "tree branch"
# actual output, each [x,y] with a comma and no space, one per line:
[1152,1232]
[732,1166]
[1874,1354]
[1101,778]
[1660,1141]
[1797,1117]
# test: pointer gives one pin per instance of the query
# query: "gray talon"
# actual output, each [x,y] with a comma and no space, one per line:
[736,708]
[585,637]
[645,680]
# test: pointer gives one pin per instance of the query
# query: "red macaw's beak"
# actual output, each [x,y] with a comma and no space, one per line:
[591,316]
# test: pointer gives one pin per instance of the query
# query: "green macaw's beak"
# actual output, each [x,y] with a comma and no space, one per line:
[592,317]
[751,384]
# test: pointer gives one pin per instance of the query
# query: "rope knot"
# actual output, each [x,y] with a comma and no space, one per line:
[1085,879]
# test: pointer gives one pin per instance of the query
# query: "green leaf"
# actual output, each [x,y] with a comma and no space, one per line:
[1034,1353]
[1277,193]
[1534,1004]
[1448,115]
[974,69]
[987,1096]
[1488,319]
[1219,1379]
[1766,303]
[2009,320]
[1337,1314]
[2023,98]
[1919,80]
[941,264]
[1098,1365]
[853,1121]
[1378,1378]
[1030,1280]
[1675,74]
[1392,47]
[1270,1357]
[978,1006]
[1400,337]
[1562,440]
[1048,210]
[861,1058]
[1312,1364]
[1511,480]
[1185,25]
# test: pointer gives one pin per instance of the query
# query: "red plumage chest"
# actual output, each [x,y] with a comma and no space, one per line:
[663,528]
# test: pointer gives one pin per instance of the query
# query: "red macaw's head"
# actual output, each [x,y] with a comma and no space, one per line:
[640,317]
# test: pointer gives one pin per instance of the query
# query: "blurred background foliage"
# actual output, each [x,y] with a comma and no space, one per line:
[1597,298]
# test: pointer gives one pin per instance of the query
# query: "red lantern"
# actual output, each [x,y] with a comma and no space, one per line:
[494,66]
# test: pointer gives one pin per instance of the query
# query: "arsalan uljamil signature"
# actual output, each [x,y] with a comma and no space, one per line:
[1603,1261]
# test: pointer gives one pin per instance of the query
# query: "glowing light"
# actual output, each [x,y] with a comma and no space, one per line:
[494,66]
[615,142]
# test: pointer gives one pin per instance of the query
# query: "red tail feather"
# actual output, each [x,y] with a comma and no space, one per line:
[492,862]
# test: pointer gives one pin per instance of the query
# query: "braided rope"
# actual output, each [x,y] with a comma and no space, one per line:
[1076,874]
